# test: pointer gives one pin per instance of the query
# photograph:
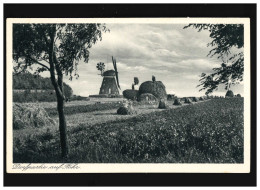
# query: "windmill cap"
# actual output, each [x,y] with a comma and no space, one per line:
[109,73]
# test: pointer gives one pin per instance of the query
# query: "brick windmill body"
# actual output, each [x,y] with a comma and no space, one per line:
[110,83]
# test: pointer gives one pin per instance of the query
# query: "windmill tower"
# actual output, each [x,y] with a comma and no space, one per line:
[110,83]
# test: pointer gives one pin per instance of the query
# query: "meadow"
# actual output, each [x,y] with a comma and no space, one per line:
[206,132]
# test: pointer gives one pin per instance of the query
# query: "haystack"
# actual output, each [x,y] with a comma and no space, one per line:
[126,109]
[130,94]
[155,88]
[195,99]
[30,116]
[147,97]
[163,104]
[201,98]
[171,97]
[187,101]
[229,94]
[177,102]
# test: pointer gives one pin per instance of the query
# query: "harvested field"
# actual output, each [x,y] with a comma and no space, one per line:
[205,132]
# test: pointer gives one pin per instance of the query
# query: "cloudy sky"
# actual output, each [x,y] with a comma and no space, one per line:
[174,55]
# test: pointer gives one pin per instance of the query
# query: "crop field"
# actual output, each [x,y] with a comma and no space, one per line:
[205,132]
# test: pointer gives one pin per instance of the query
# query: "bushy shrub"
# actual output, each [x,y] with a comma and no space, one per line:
[229,94]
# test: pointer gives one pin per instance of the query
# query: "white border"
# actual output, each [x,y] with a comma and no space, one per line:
[137,168]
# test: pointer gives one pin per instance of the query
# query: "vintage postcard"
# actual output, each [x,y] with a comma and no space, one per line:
[128,95]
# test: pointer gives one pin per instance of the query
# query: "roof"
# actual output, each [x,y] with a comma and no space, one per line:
[109,73]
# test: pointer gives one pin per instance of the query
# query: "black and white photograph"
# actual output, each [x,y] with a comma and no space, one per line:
[148,94]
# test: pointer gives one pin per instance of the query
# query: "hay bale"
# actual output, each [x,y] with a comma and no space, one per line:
[201,99]
[229,94]
[126,109]
[30,116]
[171,97]
[147,97]
[163,104]
[195,99]
[177,102]
[130,94]
[187,101]
[155,88]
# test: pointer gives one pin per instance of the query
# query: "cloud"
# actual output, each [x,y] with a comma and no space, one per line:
[176,56]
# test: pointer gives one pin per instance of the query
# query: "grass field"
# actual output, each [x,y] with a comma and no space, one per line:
[207,132]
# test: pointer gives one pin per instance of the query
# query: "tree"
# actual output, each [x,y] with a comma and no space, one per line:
[101,67]
[226,38]
[56,48]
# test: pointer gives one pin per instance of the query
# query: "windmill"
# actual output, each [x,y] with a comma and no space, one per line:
[110,83]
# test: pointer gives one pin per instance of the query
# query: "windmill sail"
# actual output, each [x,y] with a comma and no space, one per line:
[114,64]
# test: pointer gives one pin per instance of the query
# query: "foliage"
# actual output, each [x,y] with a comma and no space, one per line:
[225,38]
[209,132]
[57,48]
[42,88]
[101,67]
[69,44]
[27,96]
[229,94]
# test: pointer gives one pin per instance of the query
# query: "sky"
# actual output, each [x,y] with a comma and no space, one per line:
[174,55]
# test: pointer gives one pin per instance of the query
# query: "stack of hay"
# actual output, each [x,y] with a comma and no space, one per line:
[130,94]
[126,109]
[177,102]
[155,88]
[201,99]
[30,116]
[147,97]
[195,99]
[187,101]
[163,104]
